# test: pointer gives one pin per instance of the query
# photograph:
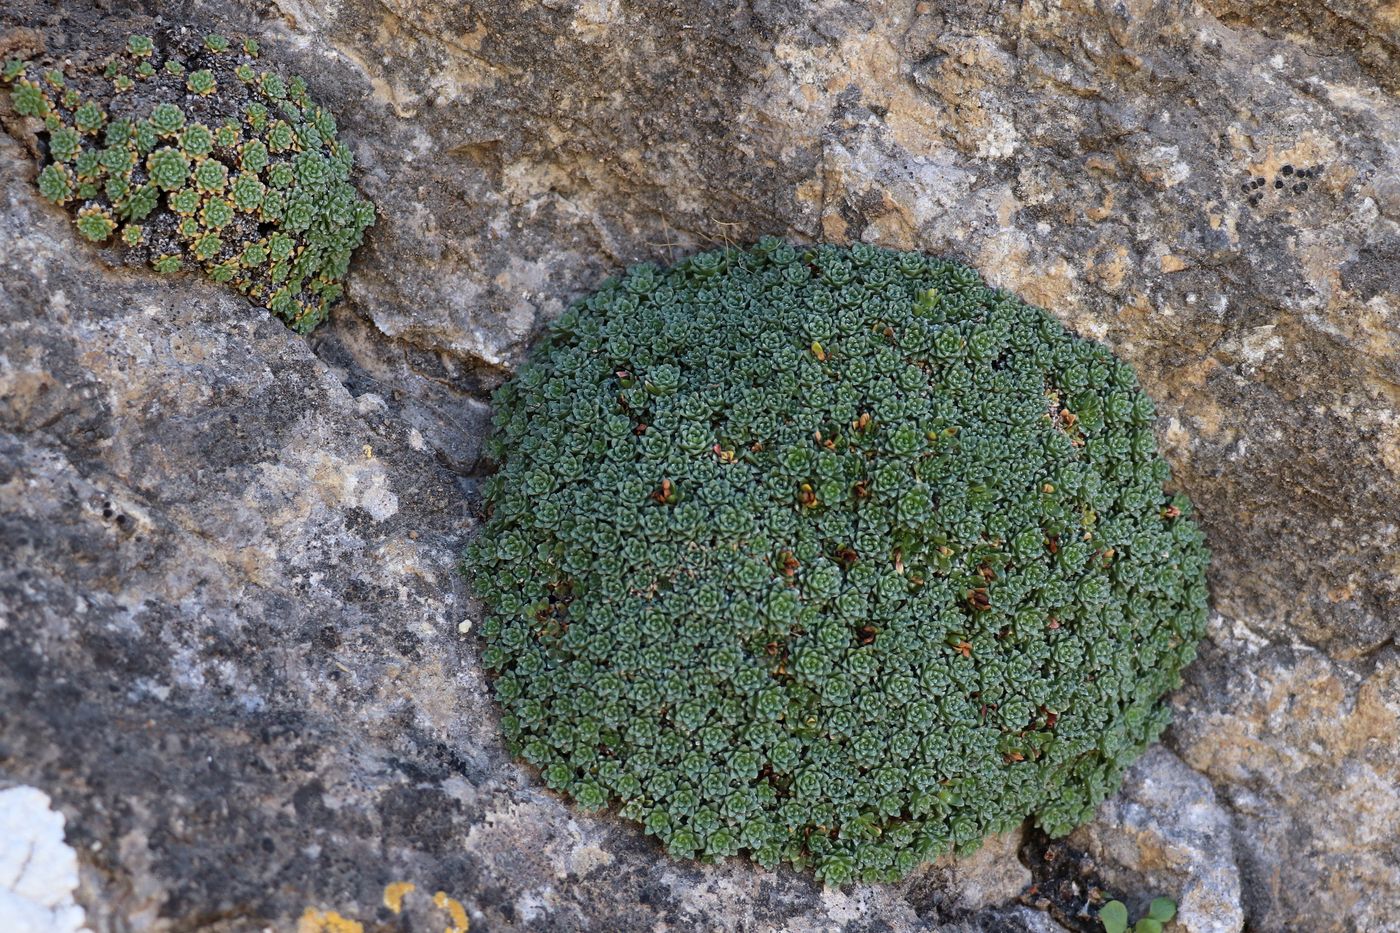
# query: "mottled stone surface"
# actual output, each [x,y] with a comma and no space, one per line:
[229,609]
[1090,159]
[1165,834]
[230,648]
[1304,751]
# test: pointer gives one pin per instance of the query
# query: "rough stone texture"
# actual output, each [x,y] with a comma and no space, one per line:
[1165,835]
[1304,750]
[229,624]
[1090,159]
[228,658]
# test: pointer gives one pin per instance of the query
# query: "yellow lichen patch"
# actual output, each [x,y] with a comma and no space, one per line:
[315,921]
[809,193]
[834,228]
[454,909]
[1375,717]
[1049,286]
[394,894]
[813,195]
[1209,418]
[968,82]
[1265,157]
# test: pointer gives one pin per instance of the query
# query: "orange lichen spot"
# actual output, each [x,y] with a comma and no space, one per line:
[395,893]
[1102,210]
[316,921]
[1096,163]
[454,909]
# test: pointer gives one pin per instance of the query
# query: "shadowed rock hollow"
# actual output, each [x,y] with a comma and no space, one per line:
[229,599]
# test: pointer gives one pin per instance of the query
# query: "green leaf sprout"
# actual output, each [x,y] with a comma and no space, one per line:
[1114,916]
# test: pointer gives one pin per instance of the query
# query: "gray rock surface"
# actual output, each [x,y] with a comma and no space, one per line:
[229,605]
[1164,834]
[1304,752]
[229,623]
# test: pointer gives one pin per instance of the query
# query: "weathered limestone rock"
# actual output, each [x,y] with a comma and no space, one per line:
[229,605]
[1303,749]
[230,639]
[1166,835]
[1092,159]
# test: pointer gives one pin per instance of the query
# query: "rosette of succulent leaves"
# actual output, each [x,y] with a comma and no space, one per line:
[188,154]
[834,557]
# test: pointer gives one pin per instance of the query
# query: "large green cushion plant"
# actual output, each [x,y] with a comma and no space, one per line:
[831,556]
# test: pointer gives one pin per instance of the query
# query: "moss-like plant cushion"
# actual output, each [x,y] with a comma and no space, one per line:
[831,556]
[189,154]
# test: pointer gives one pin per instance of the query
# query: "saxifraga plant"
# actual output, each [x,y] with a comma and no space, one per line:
[188,154]
[835,557]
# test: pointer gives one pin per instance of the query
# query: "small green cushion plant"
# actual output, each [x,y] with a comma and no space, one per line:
[152,143]
[835,557]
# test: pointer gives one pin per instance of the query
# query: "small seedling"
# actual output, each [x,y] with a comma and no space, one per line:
[1114,916]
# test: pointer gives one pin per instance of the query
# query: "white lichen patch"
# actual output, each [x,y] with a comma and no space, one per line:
[1163,166]
[378,500]
[1260,345]
[38,870]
